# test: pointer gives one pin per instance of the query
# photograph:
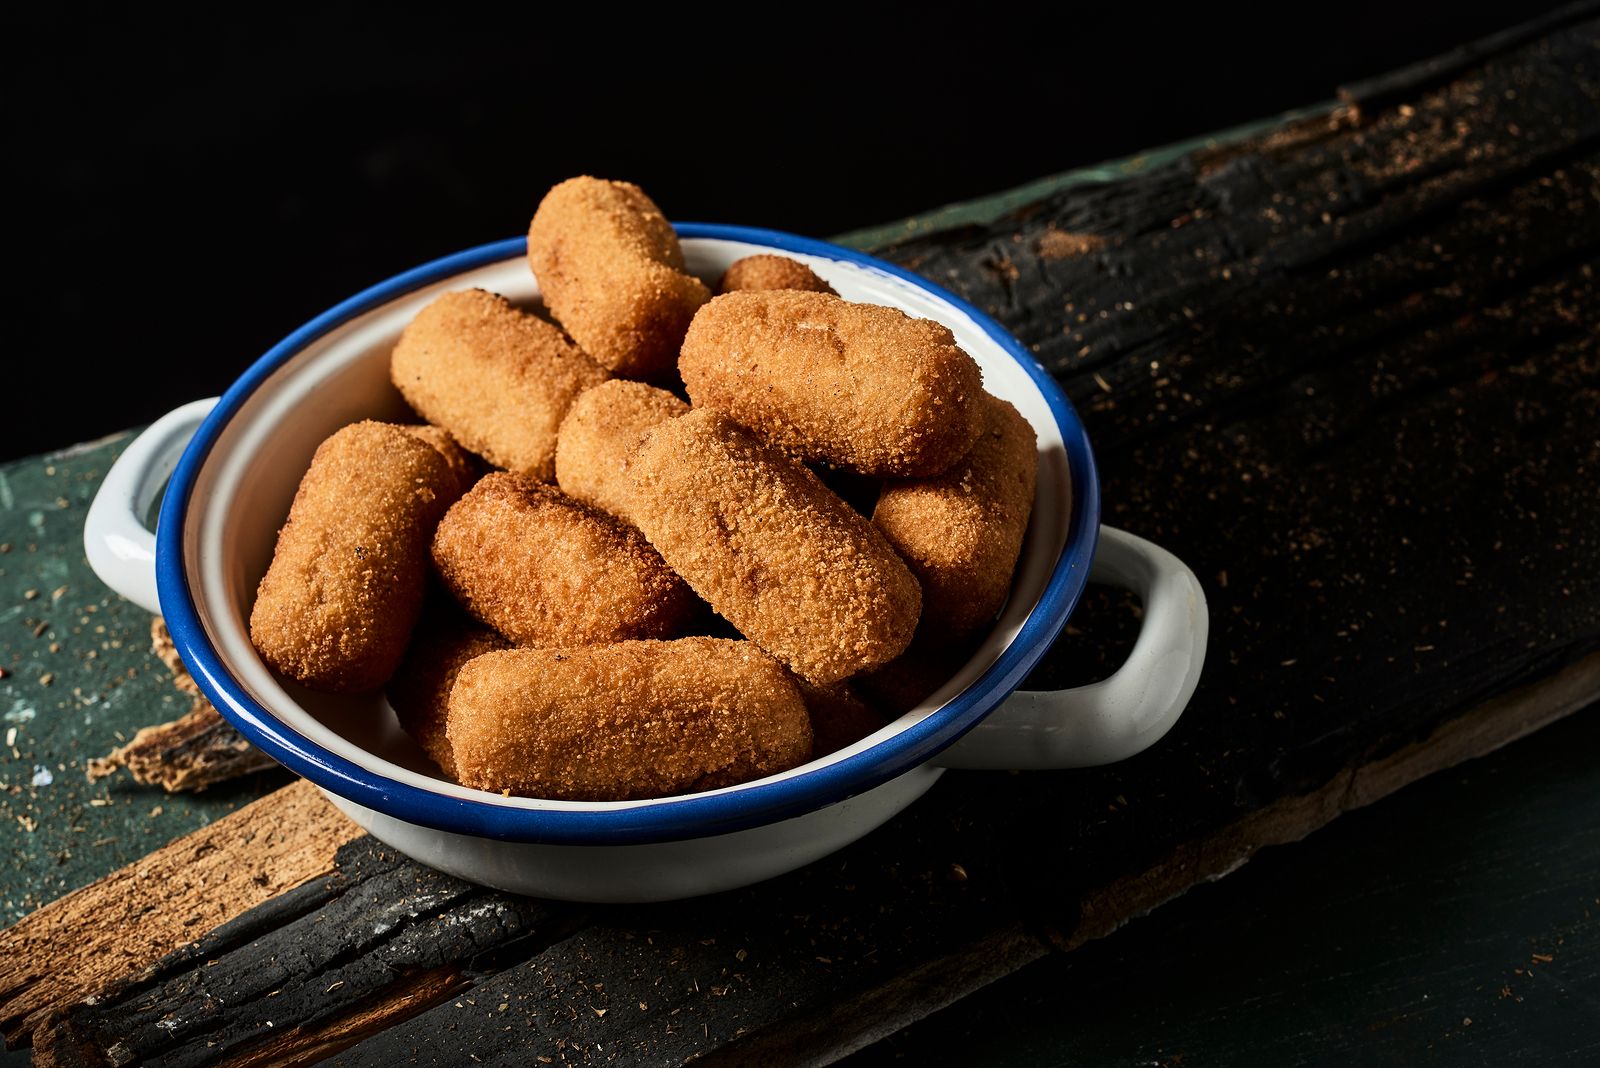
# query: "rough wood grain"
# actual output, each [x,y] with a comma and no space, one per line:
[479,970]
[119,925]
[197,750]
[376,941]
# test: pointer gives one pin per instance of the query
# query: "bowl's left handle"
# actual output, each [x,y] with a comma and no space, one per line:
[1120,716]
[121,548]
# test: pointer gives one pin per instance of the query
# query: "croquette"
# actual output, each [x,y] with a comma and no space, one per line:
[460,462]
[498,379]
[599,436]
[546,570]
[444,639]
[631,720]
[771,272]
[758,536]
[611,272]
[839,717]
[335,608]
[960,532]
[858,386]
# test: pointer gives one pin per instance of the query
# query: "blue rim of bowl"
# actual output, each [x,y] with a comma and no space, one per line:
[679,818]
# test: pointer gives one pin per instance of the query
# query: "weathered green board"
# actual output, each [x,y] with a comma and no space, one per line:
[79,680]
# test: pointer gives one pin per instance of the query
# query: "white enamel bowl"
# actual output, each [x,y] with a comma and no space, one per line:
[233,467]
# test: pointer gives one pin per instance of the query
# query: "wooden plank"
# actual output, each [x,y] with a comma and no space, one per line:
[1494,724]
[1456,923]
[116,927]
[1347,372]
[385,939]
[551,968]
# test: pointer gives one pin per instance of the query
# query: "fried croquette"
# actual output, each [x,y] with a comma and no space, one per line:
[630,720]
[960,532]
[460,462]
[839,717]
[499,380]
[763,540]
[611,272]
[335,609]
[854,385]
[771,272]
[599,435]
[546,570]
[444,639]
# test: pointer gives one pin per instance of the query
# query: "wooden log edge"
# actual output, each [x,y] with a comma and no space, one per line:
[1477,733]
[119,925]
[829,1033]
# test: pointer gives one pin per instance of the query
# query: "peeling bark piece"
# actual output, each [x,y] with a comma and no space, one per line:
[194,751]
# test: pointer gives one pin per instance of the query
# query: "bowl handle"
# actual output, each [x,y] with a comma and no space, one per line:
[121,548]
[1117,717]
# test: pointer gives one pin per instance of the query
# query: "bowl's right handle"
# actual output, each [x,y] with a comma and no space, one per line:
[1117,717]
[121,549]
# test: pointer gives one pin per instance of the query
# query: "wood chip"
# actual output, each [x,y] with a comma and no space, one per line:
[197,750]
[193,752]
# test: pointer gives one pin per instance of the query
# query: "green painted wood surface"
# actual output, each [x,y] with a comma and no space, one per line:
[79,680]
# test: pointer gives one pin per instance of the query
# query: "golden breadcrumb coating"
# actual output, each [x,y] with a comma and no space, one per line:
[960,532]
[499,380]
[599,436]
[546,570]
[763,540]
[631,720]
[442,642]
[838,715]
[856,385]
[771,272]
[611,272]
[335,609]
[460,461]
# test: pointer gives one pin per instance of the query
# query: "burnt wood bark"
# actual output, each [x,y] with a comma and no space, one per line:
[1347,371]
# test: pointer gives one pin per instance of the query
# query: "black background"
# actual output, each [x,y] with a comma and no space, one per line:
[185,191]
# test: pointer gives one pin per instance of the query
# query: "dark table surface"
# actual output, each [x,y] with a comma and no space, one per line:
[1457,922]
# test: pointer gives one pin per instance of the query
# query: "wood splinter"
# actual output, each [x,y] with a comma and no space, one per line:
[194,751]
